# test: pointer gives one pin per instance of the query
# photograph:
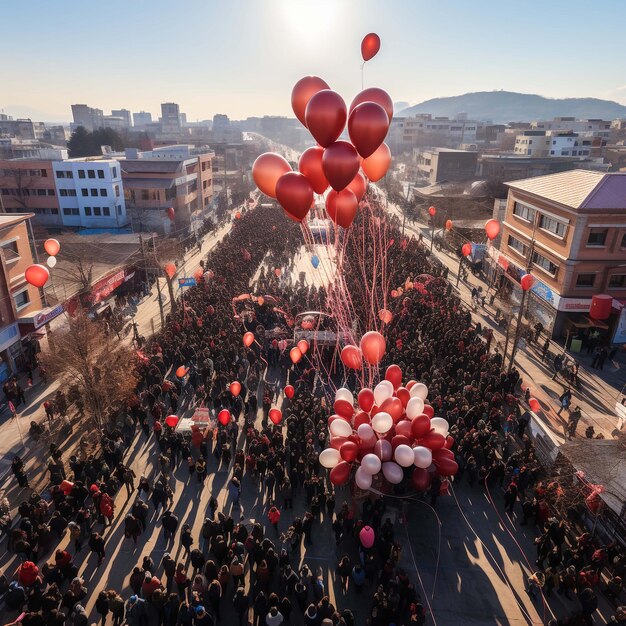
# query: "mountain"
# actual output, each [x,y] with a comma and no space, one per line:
[37,115]
[509,106]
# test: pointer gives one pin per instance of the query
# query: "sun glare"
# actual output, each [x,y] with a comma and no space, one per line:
[307,20]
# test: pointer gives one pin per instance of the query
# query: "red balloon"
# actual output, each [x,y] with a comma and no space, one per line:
[361,418]
[289,391]
[303,346]
[394,407]
[405,428]
[349,451]
[429,411]
[398,440]
[373,346]
[343,408]
[374,94]
[340,473]
[432,211]
[351,357]
[421,479]
[248,339]
[367,126]
[171,421]
[375,409]
[358,186]
[170,269]
[276,415]
[446,467]
[448,224]
[377,164]
[303,91]
[466,249]
[325,117]
[224,417]
[420,426]
[366,399]
[341,207]
[433,440]
[337,442]
[527,282]
[181,371]
[370,46]
[37,275]
[295,355]
[52,246]
[171,214]
[404,395]
[449,442]
[266,171]
[534,404]
[443,453]
[310,165]
[492,228]
[340,164]
[410,384]
[295,194]
[394,376]
[235,388]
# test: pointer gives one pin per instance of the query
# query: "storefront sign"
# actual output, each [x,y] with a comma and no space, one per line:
[187,282]
[545,293]
[620,330]
[574,305]
[43,317]
[8,336]
[103,288]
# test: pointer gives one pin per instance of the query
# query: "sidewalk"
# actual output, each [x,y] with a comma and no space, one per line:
[597,392]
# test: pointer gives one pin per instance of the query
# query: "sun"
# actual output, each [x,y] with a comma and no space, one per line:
[307,20]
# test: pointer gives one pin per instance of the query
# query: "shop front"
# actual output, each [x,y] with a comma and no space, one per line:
[10,351]
[32,329]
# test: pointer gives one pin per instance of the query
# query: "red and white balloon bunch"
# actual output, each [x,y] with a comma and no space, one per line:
[345,166]
[392,429]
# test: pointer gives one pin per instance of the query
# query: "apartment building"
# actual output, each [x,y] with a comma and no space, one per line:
[557,143]
[88,117]
[437,165]
[570,230]
[593,127]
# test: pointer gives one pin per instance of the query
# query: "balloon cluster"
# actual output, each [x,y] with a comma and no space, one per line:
[345,166]
[37,274]
[392,429]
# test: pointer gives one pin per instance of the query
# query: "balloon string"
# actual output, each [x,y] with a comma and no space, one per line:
[362,67]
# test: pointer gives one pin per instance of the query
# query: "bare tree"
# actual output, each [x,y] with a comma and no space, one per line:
[91,359]
[20,180]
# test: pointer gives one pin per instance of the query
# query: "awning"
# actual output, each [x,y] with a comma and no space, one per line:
[39,318]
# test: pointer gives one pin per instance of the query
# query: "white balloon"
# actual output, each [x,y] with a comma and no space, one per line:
[415,407]
[51,261]
[440,425]
[329,458]
[393,472]
[365,431]
[419,390]
[381,422]
[382,391]
[370,464]
[404,455]
[423,457]
[340,428]
[344,394]
[362,479]
[383,450]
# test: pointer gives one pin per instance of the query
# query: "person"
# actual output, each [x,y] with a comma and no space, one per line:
[274,517]
[572,422]
[96,545]
[241,605]
[558,364]
[565,399]
[274,617]
[344,569]
[510,497]
[169,521]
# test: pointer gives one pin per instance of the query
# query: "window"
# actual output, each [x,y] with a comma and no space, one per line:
[144,194]
[41,192]
[44,173]
[103,192]
[523,211]
[106,211]
[91,173]
[60,174]
[597,237]
[117,191]
[96,211]
[119,209]
[67,211]
[544,263]
[10,245]
[100,173]
[84,192]
[554,226]
[63,193]
[69,175]
[81,173]
[617,281]
[585,280]
[115,172]
[50,192]
[21,299]
[94,192]
[518,246]
[170,193]
[88,211]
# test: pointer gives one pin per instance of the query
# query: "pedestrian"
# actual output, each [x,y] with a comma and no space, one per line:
[96,545]
[274,517]
[169,521]
[510,497]
[565,399]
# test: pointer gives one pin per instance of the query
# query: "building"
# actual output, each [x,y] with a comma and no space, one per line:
[425,130]
[178,177]
[18,299]
[20,128]
[28,186]
[570,229]
[557,143]
[124,114]
[439,165]
[13,148]
[142,118]
[91,119]
[591,127]
[170,118]
[90,193]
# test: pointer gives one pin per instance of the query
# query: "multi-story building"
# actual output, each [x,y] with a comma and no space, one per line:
[142,118]
[557,143]
[426,130]
[178,177]
[170,118]
[20,128]
[592,127]
[124,114]
[83,115]
[19,301]
[90,193]
[570,230]
[446,165]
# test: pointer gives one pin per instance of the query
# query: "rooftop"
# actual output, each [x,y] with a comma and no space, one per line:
[578,189]
[8,219]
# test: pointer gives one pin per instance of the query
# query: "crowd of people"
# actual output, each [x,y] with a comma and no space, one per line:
[248,559]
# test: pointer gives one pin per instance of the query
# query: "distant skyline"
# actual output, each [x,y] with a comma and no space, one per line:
[242,57]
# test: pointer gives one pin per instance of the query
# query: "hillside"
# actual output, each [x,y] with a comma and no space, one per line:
[509,106]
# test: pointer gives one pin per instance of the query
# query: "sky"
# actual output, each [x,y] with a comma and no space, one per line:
[242,57]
